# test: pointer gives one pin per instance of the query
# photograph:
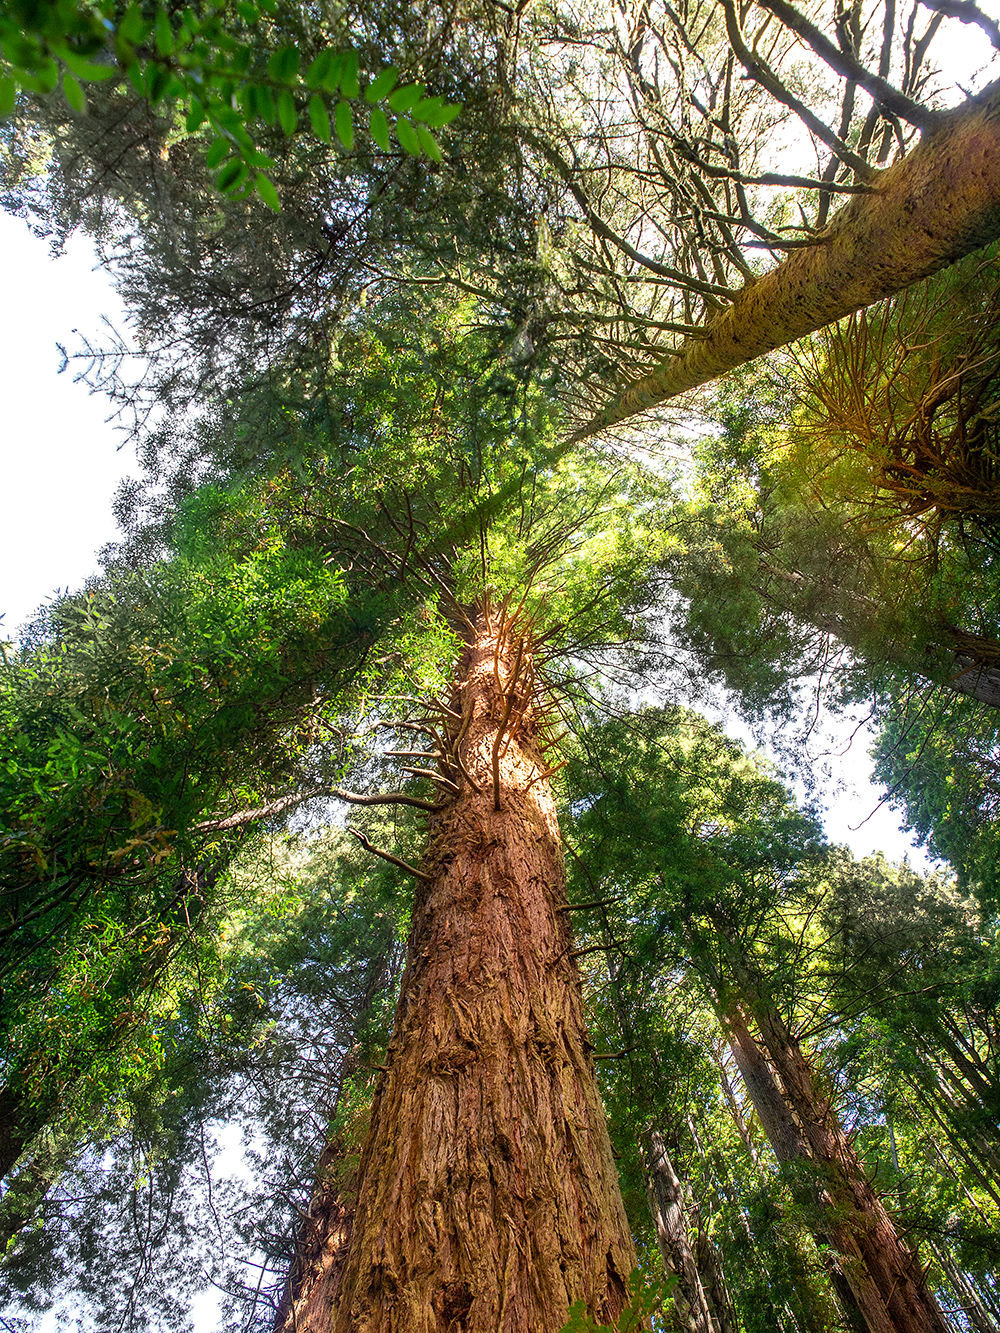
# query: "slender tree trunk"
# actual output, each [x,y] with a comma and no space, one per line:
[863,1311]
[666,1203]
[976,1312]
[713,1279]
[940,202]
[488,1199]
[811,1313]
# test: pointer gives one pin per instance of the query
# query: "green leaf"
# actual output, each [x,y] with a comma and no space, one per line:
[407,136]
[427,106]
[268,193]
[44,78]
[133,27]
[268,6]
[230,175]
[319,69]
[241,59]
[331,81]
[124,51]
[429,144]
[443,117]
[288,116]
[345,127]
[158,81]
[264,104]
[137,77]
[8,95]
[75,95]
[284,64]
[248,12]
[349,85]
[319,117]
[86,69]
[403,98]
[380,128]
[217,151]
[195,117]
[164,34]
[383,85]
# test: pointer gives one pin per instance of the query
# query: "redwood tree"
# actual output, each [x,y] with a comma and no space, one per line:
[486,1196]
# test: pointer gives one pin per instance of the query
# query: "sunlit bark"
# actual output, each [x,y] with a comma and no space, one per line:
[938,203]
[488,1197]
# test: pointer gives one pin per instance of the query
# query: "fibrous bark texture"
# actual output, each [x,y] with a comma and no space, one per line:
[877,1276]
[942,201]
[488,1198]
[666,1203]
[321,1244]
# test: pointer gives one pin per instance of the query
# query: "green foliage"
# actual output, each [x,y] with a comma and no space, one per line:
[274,1031]
[215,68]
[647,1297]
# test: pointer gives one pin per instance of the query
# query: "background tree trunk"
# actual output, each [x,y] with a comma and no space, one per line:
[884,1273]
[666,1203]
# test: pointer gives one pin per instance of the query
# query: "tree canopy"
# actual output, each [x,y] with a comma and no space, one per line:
[385,697]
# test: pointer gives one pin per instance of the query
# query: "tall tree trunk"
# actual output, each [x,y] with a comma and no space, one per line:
[321,1244]
[713,1280]
[940,202]
[666,1203]
[324,1231]
[811,1312]
[884,1273]
[488,1199]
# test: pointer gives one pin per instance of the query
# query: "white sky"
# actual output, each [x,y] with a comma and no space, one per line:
[59,458]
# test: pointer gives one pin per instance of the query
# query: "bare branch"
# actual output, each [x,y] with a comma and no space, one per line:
[388,856]
[389,798]
[849,67]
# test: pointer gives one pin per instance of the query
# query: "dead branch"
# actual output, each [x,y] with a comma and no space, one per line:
[387,856]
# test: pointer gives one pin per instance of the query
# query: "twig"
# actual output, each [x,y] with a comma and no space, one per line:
[594,902]
[549,772]
[388,856]
[434,777]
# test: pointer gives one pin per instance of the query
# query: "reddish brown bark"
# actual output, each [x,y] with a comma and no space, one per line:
[320,1250]
[488,1198]
[666,1204]
[887,1265]
[877,1276]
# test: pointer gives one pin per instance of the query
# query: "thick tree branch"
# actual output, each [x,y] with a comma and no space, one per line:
[277,807]
[940,202]
[388,798]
